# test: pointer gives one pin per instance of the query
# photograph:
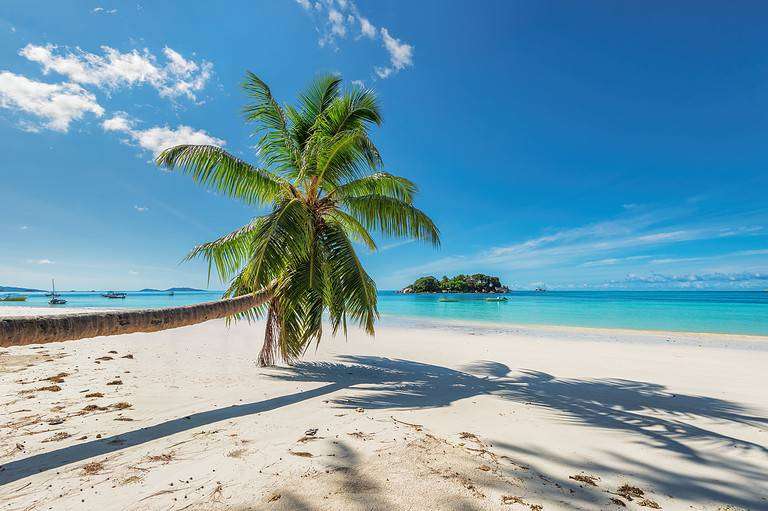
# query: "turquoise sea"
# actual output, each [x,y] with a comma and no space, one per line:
[738,312]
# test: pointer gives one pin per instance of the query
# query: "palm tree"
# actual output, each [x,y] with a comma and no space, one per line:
[320,177]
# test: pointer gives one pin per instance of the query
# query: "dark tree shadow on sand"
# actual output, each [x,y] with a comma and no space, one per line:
[646,411]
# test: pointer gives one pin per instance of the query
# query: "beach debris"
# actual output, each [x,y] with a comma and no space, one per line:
[649,503]
[629,492]
[122,418]
[359,410]
[92,468]
[94,408]
[115,382]
[56,378]
[237,453]
[274,497]
[301,454]
[131,480]
[122,405]
[48,388]
[95,394]
[61,435]
[512,499]
[128,356]
[112,352]
[584,478]
[311,432]
[484,468]
[417,427]
[164,458]
[56,421]
[360,435]
[105,358]
[618,502]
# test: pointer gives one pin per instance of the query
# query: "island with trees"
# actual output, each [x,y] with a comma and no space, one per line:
[477,283]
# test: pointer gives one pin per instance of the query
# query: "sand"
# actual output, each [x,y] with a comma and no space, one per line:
[455,418]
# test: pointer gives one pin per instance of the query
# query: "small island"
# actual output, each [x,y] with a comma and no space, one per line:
[477,283]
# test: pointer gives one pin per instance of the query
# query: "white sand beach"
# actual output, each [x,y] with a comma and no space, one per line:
[417,418]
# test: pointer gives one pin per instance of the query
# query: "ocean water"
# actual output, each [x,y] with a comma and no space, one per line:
[738,312]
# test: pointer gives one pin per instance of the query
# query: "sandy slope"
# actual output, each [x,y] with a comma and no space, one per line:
[461,418]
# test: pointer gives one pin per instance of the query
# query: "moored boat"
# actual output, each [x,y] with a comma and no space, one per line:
[13,298]
[55,298]
[112,294]
[497,299]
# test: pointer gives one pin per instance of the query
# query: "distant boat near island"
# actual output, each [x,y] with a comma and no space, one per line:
[112,294]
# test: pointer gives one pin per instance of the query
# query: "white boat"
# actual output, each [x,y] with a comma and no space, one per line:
[55,299]
[112,294]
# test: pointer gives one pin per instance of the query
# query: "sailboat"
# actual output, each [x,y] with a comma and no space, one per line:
[55,299]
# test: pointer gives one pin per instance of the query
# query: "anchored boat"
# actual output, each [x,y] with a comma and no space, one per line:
[112,294]
[55,298]
[13,298]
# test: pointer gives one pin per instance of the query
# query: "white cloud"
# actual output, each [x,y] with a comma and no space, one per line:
[56,104]
[367,28]
[141,209]
[358,83]
[611,246]
[24,227]
[334,19]
[39,261]
[133,272]
[115,69]
[157,138]
[102,10]
[400,54]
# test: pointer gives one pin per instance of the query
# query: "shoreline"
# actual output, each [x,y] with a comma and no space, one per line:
[449,324]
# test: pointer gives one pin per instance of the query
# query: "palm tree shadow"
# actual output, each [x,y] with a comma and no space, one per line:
[660,418]
[384,383]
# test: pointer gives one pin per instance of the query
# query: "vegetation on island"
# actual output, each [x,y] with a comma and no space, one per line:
[477,283]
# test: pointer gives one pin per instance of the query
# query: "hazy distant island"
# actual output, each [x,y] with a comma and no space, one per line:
[12,289]
[477,283]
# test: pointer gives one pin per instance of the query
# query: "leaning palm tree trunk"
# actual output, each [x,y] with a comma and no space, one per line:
[69,327]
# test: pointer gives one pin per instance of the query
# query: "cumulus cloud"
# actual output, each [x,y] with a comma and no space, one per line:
[113,69]
[158,138]
[39,261]
[141,209]
[56,105]
[306,4]
[400,55]
[366,28]
[102,10]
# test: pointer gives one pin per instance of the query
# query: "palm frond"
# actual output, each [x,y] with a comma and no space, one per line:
[392,217]
[380,183]
[228,253]
[220,171]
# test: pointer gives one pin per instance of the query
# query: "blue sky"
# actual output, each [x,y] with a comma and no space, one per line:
[571,144]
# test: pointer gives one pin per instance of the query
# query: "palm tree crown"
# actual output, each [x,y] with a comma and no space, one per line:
[321,178]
